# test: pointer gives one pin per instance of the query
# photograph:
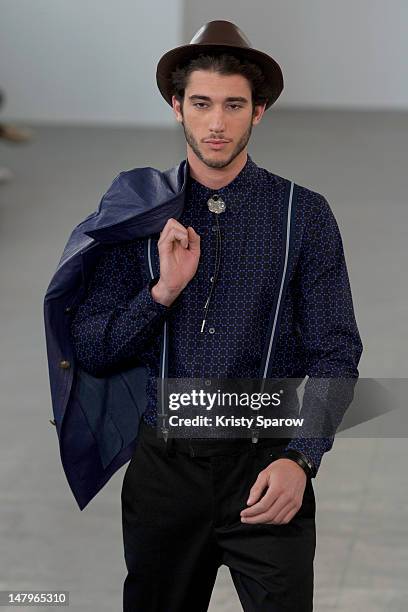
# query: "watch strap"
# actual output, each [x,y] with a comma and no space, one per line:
[300,458]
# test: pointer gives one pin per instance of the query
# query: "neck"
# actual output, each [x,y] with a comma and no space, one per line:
[215,178]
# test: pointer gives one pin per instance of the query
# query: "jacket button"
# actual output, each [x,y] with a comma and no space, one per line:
[214,228]
[211,279]
[68,309]
[65,364]
[53,422]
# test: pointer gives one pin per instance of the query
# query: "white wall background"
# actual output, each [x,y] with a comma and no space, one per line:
[333,53]
[90,61]
[94,61]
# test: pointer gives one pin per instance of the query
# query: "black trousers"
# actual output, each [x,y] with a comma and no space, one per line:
[181,505]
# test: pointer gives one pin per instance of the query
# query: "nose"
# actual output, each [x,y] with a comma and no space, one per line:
[217,121]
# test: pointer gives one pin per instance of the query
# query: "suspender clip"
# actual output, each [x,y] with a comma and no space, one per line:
[165,433]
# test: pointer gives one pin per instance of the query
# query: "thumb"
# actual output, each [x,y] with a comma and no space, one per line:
[193,238]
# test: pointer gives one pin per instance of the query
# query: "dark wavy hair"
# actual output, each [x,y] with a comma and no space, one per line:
[222,63]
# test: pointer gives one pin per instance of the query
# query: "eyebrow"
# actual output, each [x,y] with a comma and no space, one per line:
[229,99]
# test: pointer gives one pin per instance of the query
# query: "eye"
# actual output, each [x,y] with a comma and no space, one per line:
[236,106]
[197,103]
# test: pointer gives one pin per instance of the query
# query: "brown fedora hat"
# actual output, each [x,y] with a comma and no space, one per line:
[218,36]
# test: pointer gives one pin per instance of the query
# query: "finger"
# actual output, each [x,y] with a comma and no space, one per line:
[171,224]
[166,228]
[264,517]
[257,488]
[284,516]
[263,505]
[193,239]
[270,516]
[270,500]
[278,512]
[172,236]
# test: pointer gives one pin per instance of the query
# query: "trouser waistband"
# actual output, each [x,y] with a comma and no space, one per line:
[207,447]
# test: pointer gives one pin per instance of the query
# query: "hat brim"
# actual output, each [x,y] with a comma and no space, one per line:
[180,55]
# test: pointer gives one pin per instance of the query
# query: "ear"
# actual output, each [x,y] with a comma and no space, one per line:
[177,109]
[258,114]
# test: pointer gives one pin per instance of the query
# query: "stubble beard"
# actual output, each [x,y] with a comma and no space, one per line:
[214,163]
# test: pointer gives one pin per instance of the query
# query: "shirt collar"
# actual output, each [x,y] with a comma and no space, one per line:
[244,179]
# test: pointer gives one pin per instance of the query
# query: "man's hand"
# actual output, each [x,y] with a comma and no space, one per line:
[285,483]
[179,254]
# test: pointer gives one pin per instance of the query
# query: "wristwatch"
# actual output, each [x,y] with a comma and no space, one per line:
[301,459]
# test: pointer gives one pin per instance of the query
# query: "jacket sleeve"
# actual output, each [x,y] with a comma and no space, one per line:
[118,318]
[329,334]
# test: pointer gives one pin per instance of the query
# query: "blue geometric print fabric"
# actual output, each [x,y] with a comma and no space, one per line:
[118,324]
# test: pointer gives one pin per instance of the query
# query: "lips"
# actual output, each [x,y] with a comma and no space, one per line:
[212,141]
[216,145]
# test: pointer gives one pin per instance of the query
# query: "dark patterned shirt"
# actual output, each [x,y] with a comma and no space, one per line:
[120,324]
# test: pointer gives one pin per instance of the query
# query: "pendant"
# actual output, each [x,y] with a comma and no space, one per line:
[216,204]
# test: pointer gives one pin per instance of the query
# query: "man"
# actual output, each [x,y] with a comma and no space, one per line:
[275,304]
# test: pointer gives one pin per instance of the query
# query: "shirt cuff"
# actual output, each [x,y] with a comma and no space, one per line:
[150,301]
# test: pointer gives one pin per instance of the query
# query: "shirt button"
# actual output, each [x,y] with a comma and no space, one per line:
[208,382]
[211,330]
[211,279]
[65,364]
[214,228]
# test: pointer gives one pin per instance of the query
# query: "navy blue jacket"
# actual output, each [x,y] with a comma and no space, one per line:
[95,416]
